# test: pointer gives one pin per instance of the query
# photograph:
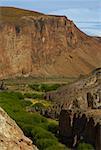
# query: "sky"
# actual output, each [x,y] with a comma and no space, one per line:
[86,14]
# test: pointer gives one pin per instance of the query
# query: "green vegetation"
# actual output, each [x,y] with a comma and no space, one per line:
[44,87]
[53,127]
[85,146]
[44,103]
[47,140]
[38,106]
[34,95]
[40,129]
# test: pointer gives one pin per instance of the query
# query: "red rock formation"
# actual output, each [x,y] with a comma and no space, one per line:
[35,44]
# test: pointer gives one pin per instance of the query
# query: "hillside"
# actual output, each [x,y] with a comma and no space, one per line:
[78,107]
[35,44]
[81,94]
[13,15]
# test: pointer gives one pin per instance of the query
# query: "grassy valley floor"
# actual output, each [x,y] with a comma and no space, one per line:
[19,96]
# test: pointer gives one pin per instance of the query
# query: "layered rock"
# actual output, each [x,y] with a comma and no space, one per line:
[36,44]
[11,136]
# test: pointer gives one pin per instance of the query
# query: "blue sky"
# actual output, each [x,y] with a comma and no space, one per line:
[85,13]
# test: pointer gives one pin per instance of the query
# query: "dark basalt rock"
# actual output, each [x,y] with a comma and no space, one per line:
[75,127]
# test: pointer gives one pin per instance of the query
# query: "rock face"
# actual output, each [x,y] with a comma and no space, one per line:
[36,44]
[11,136]
[78,107]
[84,126]
[83,94]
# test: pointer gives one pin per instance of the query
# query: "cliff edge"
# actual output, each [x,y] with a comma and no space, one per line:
[35,44]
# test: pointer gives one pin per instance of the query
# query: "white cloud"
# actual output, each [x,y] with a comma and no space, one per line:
[80,11]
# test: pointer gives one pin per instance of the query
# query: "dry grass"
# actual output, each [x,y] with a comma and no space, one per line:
[13,15]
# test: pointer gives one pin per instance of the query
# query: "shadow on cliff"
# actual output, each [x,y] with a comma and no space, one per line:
[76,128]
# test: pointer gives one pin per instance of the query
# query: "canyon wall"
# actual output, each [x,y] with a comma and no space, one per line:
[80,126]
[36,44]
[82,94]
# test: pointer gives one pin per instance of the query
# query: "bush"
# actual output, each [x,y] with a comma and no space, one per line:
[34,87]
[40,133]
[85,146]
[34,95]
[18,95]
[57,147]
[45,140]
[27,128]
[52,127]
[38,106]
[44,87]
[27,103]
[45,143]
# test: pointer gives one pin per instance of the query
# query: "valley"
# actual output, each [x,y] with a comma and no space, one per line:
[50,83]
[35,106]
[23,102]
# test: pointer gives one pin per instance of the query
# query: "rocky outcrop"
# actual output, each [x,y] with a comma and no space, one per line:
[83,94]
[80,126]
[36,44]
[11,136]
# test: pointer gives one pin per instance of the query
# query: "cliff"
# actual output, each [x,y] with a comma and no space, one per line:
[32,43]
[80,126]
[78,107]
[83,95]
[11,136]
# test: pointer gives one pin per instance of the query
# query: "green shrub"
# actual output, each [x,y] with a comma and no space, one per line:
[27,103]
[34,87]
[46,143]
[40,133]
[19,95]
[57,147]
[44,87]
[27,128]
[53,127]
[85,146]
[45,140]
[38,106]
[34,95]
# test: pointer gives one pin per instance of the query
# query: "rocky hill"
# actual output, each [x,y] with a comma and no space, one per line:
[78,107]
[83,94]
[11,136]
[32,43]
